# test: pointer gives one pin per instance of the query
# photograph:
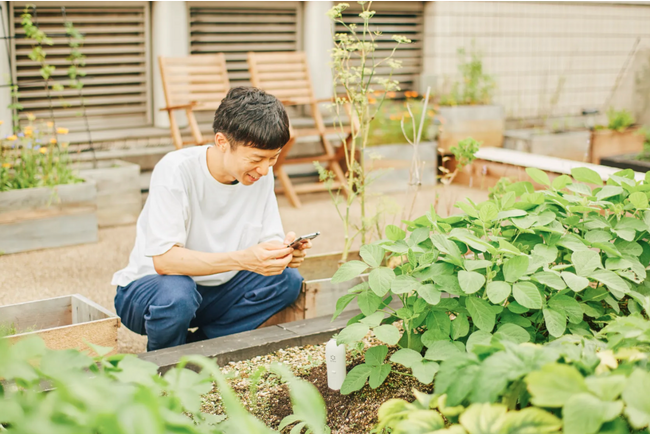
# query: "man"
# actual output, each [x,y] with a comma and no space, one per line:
[210,251]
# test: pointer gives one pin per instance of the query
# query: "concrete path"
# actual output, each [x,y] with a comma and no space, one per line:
[87,269]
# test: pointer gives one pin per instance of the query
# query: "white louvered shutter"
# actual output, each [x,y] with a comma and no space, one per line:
[116,89]
[394,18]
[235,28]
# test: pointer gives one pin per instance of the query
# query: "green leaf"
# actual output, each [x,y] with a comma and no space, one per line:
[429,293]
[498,291]
[539,176]
[352,333]
[561,181]
[380,280]
[356,379]
[514,268]
[584,174]
[550,279]
[555,322]
[513,332]
[568,305]
[442,350]
[471,265]
[576,283]
[406,357]
[488,212]
[419,235]
[482,314]
[554,384]
[527,295]
[511,213]
[515,307]
[404,284]
[585,261]
[459,326]
[584,413]
[607,388]
[375,355]
[372,254]
[348,271]
[639,200]
[378,375]
[373,320]
[368,302]
[479,337]
[394,233]
[548,253]
[531,421]
[342,303]
[609,191]
[387,333]
[425,370]
[637,399]
[470,281]
[613,281]
[484,418]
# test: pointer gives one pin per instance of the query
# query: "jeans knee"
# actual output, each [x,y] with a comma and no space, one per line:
[293,285]
[179,293]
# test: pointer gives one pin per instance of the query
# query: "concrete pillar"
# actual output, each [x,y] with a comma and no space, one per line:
[170,37]
[317,43]
[5,72]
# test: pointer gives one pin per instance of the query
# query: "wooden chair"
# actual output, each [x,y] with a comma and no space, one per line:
[192,83]
[286,76]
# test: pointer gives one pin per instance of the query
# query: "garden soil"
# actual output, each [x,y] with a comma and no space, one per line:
[87,269]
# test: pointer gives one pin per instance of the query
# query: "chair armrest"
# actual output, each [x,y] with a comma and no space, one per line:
[179,107]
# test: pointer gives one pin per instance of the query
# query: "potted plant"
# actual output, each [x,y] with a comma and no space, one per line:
[639,162]
[466,108]
[43,203]
[620,136]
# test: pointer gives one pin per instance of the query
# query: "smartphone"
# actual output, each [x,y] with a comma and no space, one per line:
[299,240]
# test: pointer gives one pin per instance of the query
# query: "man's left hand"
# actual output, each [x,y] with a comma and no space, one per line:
[300,252]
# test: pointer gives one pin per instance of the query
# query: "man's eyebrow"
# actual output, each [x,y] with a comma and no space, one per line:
[255,155]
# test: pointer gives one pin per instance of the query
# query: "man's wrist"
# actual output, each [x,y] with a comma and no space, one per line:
[237,259]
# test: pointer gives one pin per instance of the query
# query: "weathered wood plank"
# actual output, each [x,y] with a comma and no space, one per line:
[32,198]
[37,315]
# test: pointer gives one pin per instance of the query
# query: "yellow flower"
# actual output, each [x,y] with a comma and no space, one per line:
[430,113]
[62,130]
[6,165]
[394,117]
[12,138]
[53,141]
[391,94]
[2,122]
[49,124]
[372,100]
[30,116]
[64,144]
[43,150]
[28,131]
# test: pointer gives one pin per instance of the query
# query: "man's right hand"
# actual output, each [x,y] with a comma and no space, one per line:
[267,259]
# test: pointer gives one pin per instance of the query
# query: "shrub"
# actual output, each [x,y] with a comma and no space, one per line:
[619,120]
[574,385]
[475,86]
[525,266]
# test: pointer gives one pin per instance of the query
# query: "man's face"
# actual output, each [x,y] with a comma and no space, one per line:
[247,164]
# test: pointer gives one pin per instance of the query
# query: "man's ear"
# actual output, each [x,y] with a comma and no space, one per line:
[221,142]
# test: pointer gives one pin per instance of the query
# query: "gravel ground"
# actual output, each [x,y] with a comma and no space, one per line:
[87,269]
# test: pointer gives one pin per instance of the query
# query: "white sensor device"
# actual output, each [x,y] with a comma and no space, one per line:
[335,359]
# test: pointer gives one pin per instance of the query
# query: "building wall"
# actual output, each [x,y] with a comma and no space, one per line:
[539,51]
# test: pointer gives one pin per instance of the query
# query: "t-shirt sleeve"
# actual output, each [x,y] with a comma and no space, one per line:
[168,218]
[272,223]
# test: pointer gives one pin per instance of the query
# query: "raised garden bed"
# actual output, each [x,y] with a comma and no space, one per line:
[485,123]
[607,143]
[395,162]
[570,145]
[62,322]
[39,218]
[119,200]
[626,161]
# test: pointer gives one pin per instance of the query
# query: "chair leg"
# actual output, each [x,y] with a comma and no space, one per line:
[176,132]
[194,127]
[288,186]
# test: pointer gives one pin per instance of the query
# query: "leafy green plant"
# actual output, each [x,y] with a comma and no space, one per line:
[386,128]
[123,394]
[474,86]
[619,120]
[574,385]
[529,266]
[354,69]
[34,158]
[644,155]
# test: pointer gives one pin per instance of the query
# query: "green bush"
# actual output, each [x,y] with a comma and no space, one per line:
[475,86]
[574,385]
[122,394]
[525,266]
[619,120]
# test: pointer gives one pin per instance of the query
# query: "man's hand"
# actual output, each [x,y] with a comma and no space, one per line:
[299,253]
[267,259]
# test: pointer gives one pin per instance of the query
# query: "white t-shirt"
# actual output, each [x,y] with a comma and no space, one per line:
[187,207]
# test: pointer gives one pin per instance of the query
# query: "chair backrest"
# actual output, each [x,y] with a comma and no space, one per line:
[284,75]
[200,77]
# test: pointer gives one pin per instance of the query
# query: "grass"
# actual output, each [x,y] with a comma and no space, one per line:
[386,128]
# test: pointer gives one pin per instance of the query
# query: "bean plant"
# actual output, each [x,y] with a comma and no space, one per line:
[525,266]
[62,392]
[574,385]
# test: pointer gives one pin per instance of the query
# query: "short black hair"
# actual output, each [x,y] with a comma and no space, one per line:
[251,117]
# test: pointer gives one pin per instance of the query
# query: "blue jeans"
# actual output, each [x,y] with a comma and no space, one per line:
[164,307]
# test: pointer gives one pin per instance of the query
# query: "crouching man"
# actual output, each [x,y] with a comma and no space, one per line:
[210,251]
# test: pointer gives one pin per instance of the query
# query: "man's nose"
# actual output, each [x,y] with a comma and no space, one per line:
[263,168]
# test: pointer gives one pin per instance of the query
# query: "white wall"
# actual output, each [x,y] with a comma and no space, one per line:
[530,47]
[5,74]
[317,43]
